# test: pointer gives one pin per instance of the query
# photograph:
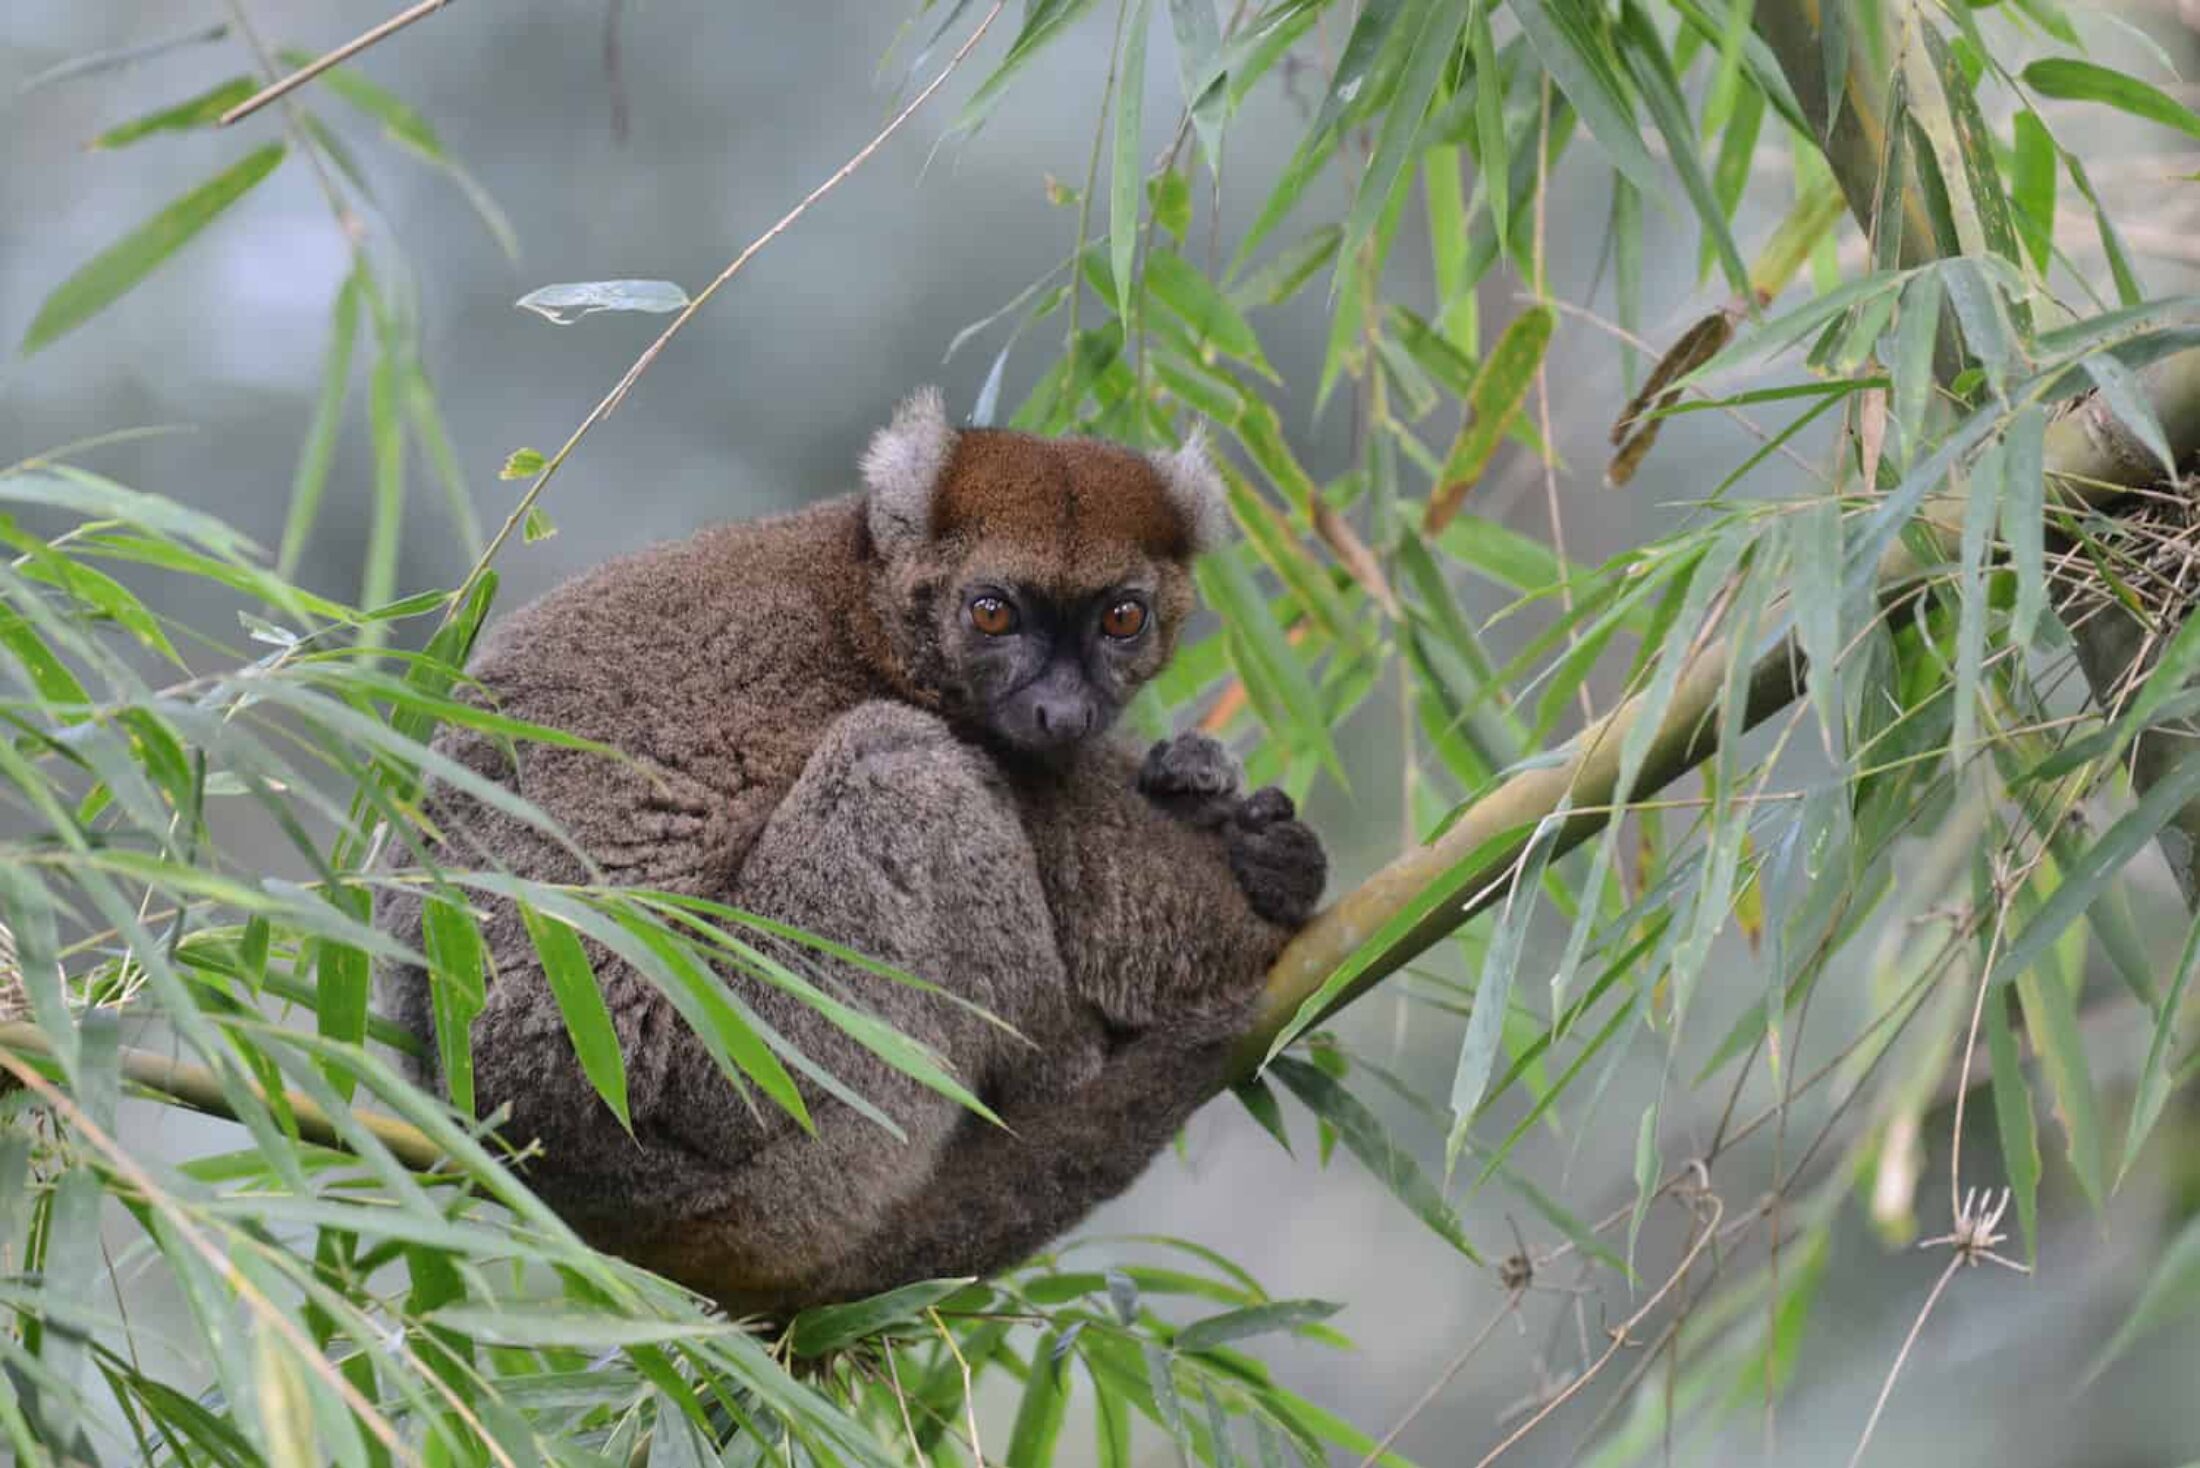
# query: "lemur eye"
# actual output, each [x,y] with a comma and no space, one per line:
[993,616]
[1125,620]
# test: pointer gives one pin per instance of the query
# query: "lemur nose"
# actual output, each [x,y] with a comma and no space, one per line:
[1069,719]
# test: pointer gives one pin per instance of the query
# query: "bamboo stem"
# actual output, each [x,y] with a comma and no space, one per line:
[196,1087]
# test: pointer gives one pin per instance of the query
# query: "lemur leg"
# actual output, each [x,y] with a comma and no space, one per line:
[901,842]
[1173,893]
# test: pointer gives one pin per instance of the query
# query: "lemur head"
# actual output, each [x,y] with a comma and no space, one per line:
[1029,585]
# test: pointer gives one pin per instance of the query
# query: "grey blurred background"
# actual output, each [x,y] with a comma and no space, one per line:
[733,111]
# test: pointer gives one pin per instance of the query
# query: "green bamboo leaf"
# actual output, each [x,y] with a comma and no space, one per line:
[1253,1320]
[2024,518]
[1429,29]
[2171,1295]
[427,422]
[200,111]
[311,477]
[2129,291]
[1974,145]
[457,992]
[2121,390]
[1161,1385]
[386,524]
[2071,80]
[2051,1015]
[2087,879]
[114,270]
[1579,61]
[119,58]
[572,982]
[2155,1082]
[1485,1027]
[344,982]
[45,676]
[1979,511]
[1505,556]
[1039,1415]
[1287,274]
[513,1323]
[1917,335]
[827,1328]
[1654,76]
[1703,585]
[1127,169]
[1445,201]
[1043,21]
[95,593]
[1491,152]
[1274,677]
[1365,1137]
[1294,566]
[2032,188]
[404,123]
[1357,86]
[1214,319]
[730,1030]
[1816,587]
[1200,68]
[2013,1115]
[1648,1167]
[27,908]
[1499,390]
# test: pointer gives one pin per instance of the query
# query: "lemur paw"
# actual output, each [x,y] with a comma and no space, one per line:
[1190,766]
[1277,859]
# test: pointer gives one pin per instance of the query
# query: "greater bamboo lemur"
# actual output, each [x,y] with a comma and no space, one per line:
[883,720]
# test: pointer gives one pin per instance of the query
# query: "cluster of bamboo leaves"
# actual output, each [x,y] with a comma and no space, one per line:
[337,1304]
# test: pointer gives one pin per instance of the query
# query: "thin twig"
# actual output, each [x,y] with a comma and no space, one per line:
[1451,1369]
[1618,1337]
[1886,1390]
[612,399]
[970,1399]
[337,57]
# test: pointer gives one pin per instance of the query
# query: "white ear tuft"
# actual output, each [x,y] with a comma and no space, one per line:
[902,468]
[1196,490]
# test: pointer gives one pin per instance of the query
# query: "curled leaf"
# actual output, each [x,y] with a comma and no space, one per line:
[1637,428]
[568,303]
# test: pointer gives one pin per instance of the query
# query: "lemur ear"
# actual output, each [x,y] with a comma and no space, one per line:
[1195,489]
[903,465]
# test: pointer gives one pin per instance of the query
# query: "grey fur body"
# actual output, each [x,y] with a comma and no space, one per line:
[794,750]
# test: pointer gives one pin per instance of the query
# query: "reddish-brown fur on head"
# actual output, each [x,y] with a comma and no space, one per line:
[1065,524]
[1075,501]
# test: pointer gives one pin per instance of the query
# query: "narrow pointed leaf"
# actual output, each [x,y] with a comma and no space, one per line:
[136,255]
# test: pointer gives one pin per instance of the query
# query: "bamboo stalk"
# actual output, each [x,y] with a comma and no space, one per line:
[197,1088]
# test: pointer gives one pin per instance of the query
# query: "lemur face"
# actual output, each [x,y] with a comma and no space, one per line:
[1053,574]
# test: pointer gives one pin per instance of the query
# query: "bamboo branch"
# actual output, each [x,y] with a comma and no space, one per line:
[197,1088]
[2090,456]
[2113,645]
[276,90]
[2087,453]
